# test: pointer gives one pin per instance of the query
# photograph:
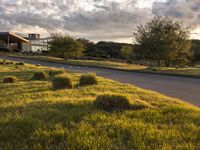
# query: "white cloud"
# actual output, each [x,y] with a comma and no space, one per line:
[95,19]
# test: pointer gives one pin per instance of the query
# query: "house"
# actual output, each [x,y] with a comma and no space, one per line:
[32,43]
[14,42]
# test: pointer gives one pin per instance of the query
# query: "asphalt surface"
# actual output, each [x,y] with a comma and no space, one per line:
[187,89]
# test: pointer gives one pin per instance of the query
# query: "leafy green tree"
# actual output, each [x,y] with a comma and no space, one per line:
[163,39]
[127,52]
[66,47]
[88,46]
[195,50]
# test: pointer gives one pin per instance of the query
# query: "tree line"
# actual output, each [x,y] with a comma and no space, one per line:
[65,46]
[162,40]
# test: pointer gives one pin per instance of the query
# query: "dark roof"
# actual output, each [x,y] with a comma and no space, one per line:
[13,38]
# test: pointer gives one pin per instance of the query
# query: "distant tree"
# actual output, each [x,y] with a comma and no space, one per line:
[127,52]
[108,49]
[195,50]
[85,42]
[65,46]
[163,39]
[88,46]
[105,49]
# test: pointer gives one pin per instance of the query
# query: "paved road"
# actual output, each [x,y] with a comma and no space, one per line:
[187,89]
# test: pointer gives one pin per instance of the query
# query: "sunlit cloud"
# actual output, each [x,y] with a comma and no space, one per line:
[112,20]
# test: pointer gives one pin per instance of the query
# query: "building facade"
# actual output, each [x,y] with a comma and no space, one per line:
[32,43]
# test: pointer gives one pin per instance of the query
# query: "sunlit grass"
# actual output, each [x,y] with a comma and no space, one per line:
[34,116]
[192,71]
[95,63]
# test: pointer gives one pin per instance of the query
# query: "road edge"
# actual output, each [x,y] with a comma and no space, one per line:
[117,69]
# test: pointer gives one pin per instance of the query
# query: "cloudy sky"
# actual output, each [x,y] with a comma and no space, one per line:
[111,20]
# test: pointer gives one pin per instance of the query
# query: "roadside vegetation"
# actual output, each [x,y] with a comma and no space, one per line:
[193,71]
[162,45]
[34,115]
[162,40]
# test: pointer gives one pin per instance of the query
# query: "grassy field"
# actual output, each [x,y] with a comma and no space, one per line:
[34,116]
[191,71]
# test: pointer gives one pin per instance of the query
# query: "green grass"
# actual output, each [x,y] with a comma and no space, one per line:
[34,116]
[95,63]
[191,71]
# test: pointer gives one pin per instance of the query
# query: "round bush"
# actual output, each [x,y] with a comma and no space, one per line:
[39,76]
[6,63]
[20,63]
[10,79]
[56,72]
[88,79]
[62,82]
[12,63]
[112,102]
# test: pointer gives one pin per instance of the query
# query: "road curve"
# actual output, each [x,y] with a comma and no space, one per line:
[187,89]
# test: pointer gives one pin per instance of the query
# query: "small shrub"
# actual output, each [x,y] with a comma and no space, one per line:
[10,79]
[4,62]
[62,82]
[129,62]
[112,102]
[155,69]
[7,63]
[88,79]
[20,63]
[12,63]
[56,72]
[39,76]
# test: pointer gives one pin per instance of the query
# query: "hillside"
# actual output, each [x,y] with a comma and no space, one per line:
[33,115]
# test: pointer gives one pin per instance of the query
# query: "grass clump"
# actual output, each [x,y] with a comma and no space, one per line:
[10,79]
[112,102]
[53,73]
[88,79]
[4,62]
[40,76]
[21,63]
[62,82]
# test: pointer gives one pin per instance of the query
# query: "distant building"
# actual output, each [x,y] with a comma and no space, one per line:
[40,44]
[31,43]
[33,36]
[13,41]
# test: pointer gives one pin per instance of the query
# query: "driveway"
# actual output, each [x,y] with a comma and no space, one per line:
[187,89]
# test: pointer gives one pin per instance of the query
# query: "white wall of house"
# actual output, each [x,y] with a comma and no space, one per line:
[26,47]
